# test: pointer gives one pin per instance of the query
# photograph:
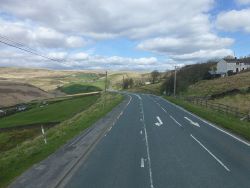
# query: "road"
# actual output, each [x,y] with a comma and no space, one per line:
[156,144]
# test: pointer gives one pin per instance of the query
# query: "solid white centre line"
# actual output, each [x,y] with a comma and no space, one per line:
[147,146]
[193,123]
[142,163]
[218,160]
[175,121]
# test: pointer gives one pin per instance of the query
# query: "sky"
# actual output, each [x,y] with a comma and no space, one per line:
[139,35]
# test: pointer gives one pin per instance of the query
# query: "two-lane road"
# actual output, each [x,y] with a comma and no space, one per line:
[156,144]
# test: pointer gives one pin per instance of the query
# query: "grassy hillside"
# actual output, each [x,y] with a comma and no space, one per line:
[209,87]
[239,99]
[55,112]
[12,93]
[48,80]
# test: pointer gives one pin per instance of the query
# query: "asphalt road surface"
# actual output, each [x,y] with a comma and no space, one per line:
[156,144]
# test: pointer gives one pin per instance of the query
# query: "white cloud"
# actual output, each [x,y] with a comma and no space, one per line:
[243,2]
[202,55]
[81,60]
[175,28]
[98,18]
[185,45]
[234,20]
[38,37]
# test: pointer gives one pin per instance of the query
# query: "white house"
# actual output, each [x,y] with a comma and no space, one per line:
[232,64]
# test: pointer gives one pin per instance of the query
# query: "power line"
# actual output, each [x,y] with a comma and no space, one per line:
[9,42]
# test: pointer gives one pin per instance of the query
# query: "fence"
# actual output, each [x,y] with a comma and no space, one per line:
[219,107]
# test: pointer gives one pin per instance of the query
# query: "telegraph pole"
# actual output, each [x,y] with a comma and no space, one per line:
[175,67]
[105,88]
[106,81]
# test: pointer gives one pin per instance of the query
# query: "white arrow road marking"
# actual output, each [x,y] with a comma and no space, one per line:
[159,123]
[142,163]
[193,123]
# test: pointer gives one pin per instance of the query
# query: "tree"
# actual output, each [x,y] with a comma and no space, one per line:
[127,83]
[155,74]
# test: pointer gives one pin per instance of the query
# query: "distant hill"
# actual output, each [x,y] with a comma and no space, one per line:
[12,93]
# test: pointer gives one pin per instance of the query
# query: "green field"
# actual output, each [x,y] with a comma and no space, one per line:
[16,160]
[55,112]
[79,88]
[231,123]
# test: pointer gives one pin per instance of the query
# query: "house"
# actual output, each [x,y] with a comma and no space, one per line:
[2,112]
[232,64]
[21,108]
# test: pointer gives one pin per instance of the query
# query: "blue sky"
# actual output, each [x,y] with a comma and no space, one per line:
[125,34]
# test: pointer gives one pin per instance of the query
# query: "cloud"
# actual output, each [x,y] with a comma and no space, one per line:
[202,55]
[243,2]
[185,45]
[234,20]
[37,36]
[81,60]
[98,18]
[174,28]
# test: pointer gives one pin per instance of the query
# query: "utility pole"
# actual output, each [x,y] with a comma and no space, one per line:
[175,67]
[105,89]
[122,81]
[106,81]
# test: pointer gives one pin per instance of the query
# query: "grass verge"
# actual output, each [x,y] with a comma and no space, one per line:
[17,160]
[230,123]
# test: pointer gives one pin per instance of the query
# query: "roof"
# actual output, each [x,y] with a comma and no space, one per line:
[231,60]
[245,60]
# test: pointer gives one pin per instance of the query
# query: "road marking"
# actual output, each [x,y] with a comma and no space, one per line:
[210,124]
[159,123]
[218,160]
[147,146]
[163,109]
[175,121]
[142,163]
[193,123]
[141,132]
[138,96]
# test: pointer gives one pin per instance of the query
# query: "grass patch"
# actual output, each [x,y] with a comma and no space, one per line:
[19,159]
[54,112]
[11,139]
[228,122]
[79,88]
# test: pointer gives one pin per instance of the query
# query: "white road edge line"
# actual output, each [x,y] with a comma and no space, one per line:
[142,163]
[210,124]
[175,121]
[218,160]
